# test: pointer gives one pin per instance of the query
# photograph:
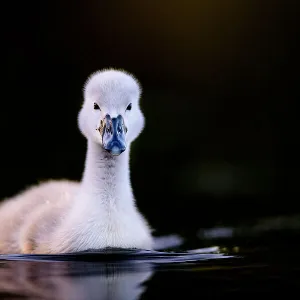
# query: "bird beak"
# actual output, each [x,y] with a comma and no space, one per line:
[113,131]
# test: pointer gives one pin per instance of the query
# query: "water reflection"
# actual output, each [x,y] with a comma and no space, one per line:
[106,274]
[72,280]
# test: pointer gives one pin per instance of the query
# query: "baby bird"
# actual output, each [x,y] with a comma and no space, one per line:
[100,211]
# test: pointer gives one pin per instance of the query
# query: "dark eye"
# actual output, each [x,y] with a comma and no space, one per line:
[96,106]
[129,107]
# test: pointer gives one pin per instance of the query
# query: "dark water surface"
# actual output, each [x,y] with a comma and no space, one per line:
[131,274]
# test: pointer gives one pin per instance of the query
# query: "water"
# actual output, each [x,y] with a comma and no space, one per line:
[255,268]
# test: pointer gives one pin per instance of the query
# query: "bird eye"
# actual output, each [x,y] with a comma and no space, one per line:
[129,107]
[96,106]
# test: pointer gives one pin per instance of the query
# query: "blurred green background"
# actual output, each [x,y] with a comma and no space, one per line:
[220,86]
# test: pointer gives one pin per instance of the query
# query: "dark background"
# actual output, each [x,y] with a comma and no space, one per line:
[220,82]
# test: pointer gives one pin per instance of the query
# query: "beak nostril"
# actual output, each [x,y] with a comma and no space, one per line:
[108,129]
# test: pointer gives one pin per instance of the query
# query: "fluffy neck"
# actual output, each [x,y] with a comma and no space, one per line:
[106,178]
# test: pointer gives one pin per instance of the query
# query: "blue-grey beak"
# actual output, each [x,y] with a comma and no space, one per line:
[113,133]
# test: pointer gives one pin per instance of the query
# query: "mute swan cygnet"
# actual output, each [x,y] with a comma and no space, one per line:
[100,211]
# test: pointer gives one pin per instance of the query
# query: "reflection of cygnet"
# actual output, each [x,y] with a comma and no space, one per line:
[100,211]
[74,280]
